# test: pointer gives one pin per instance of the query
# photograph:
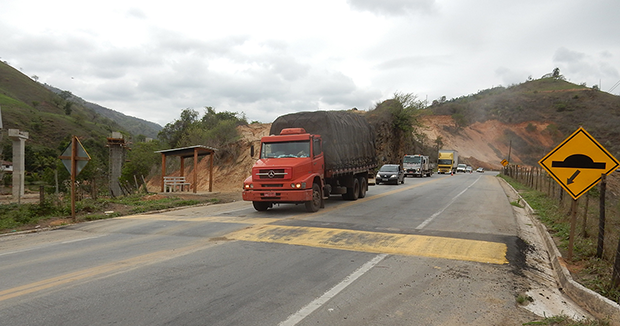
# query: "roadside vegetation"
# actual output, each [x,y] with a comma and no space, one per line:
[585,267]
[56,211]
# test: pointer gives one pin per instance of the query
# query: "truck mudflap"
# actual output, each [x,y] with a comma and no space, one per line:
[278,196]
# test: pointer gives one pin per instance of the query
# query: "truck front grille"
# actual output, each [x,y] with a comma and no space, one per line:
[271,174]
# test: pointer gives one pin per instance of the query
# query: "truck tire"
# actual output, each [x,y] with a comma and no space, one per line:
[363,187]
[352,192]
[314,204]
[261,206]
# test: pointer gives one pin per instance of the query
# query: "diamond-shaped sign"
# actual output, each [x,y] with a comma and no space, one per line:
[578,163]
[81,158]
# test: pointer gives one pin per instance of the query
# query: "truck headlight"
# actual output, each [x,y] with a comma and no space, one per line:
[301,185]
[248,186]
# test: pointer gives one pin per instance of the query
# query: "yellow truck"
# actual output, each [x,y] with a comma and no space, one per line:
[447,161]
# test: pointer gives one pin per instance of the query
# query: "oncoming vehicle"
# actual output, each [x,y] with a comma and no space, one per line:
[469,169]
[390,173]
[461,168]
[417,166]
[480,170]
[301,161]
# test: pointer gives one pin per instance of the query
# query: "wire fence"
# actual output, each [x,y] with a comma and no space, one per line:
[596,213]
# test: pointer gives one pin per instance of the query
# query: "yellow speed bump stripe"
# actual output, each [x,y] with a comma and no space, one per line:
[377,242]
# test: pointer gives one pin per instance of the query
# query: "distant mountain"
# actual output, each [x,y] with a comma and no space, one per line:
[135,126]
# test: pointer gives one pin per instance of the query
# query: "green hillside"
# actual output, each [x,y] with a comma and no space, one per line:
[566,106]
[133,125]
[47,117]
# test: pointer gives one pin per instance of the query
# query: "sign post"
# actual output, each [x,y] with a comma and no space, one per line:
[75,159]
[577,164]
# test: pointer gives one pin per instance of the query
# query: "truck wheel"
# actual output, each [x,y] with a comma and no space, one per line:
[352,192]
[261,206]
[363,187]
[314,204]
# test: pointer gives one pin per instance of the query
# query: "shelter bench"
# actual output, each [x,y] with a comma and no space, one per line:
[172,184]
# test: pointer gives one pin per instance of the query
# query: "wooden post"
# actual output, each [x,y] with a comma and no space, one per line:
[615,275]
[182,166]
[195,182]
[163,170]
[211,171]
[73,173]
[573,221]
[41,195]
[584,231]
[601,219]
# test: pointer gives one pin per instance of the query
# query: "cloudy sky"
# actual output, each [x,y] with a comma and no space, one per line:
[152,59]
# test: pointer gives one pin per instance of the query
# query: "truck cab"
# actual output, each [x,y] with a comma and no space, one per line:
[289,170]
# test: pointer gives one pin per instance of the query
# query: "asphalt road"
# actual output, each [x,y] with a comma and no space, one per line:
[433,251]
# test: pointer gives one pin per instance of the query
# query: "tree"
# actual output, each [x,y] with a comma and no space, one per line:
[65,95]
[172,133]
[556,73]
[141,159]
[67,107]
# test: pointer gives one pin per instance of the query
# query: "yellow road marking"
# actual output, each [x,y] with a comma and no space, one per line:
[378,242]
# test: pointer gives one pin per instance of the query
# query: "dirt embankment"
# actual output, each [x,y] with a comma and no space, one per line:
[486,143]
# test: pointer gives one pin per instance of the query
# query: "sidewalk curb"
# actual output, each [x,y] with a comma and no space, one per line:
[596,304]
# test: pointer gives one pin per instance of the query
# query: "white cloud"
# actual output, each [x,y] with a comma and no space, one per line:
[273,57]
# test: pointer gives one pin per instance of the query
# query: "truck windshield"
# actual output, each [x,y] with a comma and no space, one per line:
[285,149]
[411,159]
[444,162]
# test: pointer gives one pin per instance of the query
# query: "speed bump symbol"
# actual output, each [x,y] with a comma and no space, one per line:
[579,161]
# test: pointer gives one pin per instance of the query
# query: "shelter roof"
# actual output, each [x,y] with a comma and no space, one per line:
[189,151]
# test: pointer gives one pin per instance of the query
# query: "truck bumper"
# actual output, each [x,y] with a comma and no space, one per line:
[279,196]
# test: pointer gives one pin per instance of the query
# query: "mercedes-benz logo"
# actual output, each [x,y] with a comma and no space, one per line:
[271,174]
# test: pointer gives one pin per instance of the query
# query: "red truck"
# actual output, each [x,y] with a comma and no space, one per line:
[309,156]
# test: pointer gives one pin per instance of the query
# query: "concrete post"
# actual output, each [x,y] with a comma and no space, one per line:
[19,166]
[117,146]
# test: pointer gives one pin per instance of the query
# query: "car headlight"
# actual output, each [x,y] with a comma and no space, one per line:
[377,176]
[393,176]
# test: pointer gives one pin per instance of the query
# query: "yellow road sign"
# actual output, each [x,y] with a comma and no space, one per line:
[504,162]
[578,163]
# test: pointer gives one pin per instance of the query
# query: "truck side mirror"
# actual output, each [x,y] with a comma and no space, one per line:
[252,151]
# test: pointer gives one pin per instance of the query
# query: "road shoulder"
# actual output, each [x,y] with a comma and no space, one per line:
[553,290]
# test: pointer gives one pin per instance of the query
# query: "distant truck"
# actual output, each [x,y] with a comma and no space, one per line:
[417,166]
[309,156]
[447,161]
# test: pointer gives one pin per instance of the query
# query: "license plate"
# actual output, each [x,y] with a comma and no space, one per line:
[270,194]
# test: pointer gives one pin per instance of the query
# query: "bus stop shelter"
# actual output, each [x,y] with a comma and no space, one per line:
[184,153]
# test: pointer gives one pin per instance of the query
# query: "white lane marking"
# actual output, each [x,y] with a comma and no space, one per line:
[76,240]
[48,245]
[430,219]
[295,318]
